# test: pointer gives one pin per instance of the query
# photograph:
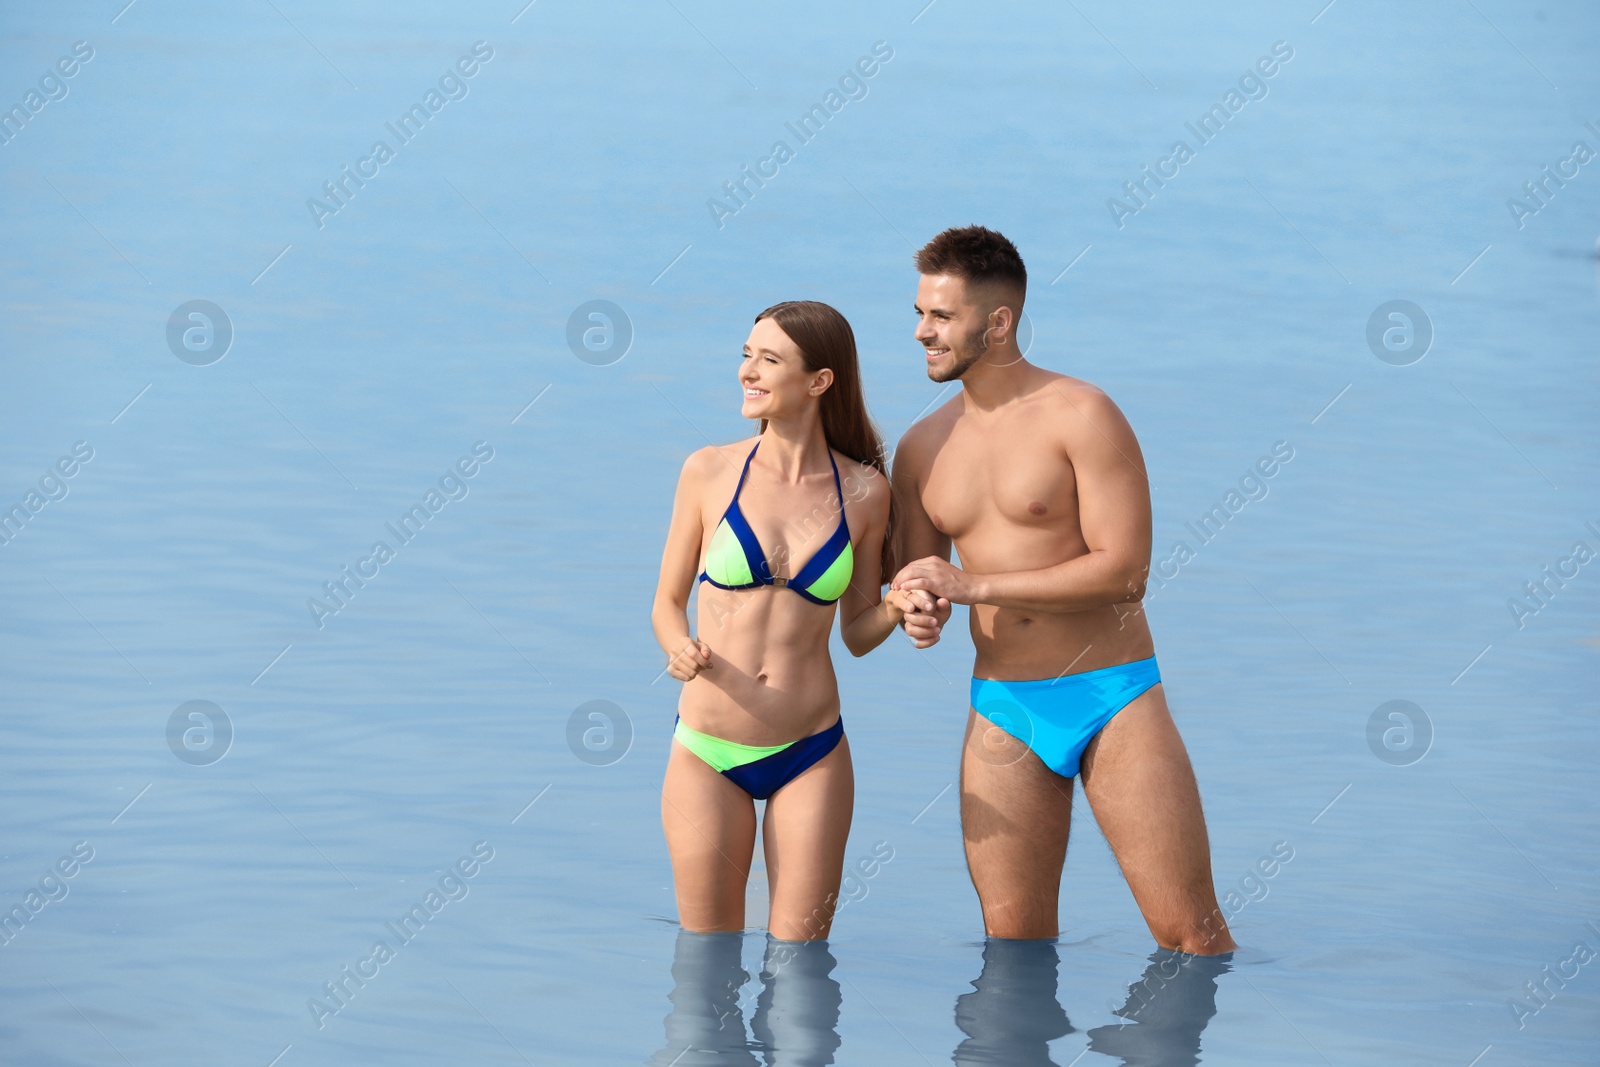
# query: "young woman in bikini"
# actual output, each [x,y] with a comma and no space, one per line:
[777,532]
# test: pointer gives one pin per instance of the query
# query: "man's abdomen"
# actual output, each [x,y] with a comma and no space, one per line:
[1017,645]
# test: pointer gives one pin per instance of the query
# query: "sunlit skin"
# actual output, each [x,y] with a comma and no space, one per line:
[757,669]
[1037,481]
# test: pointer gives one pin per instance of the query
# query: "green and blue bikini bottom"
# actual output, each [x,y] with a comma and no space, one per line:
[760,770]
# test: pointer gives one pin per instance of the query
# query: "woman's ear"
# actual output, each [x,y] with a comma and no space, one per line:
[820,381]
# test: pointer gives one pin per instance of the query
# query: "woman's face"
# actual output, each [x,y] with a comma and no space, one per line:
[773,373]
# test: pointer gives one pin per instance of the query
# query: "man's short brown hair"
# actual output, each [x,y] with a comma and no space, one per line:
[975,254]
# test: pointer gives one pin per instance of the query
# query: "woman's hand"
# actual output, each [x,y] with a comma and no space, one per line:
[898,603]
[918,613]
[693,658]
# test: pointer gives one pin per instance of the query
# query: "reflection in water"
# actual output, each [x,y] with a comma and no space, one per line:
[706,1025]
[797,1011]
[1012,1013]
[1165,1012]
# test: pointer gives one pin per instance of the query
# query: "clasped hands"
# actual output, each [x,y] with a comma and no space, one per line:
[923,592]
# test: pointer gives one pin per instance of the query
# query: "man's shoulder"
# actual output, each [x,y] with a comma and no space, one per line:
[918,445]
[1064,390]
[1073,403]
[935,424]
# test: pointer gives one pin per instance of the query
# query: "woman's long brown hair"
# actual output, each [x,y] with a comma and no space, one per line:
[826,342]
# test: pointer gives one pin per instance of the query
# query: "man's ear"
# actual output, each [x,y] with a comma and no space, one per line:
[1003,319]
[821,381]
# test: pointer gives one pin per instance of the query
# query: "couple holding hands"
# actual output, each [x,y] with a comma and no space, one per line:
[1037,481]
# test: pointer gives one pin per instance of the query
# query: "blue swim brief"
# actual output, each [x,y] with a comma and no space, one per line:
[1058,717]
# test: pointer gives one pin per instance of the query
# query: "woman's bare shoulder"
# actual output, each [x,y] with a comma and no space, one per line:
[713,461]
[864,485]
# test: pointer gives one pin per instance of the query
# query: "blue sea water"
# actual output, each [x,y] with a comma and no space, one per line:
[1442,902]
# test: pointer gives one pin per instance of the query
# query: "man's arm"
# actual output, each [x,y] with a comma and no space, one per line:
[915,535]
[1113,512]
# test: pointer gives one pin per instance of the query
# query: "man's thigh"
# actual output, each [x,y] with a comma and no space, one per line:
[1015,817]
[1138,780]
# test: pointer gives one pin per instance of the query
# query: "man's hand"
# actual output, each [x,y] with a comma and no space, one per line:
[693,658]
[939,577]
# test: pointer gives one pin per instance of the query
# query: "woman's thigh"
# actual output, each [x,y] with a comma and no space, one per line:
[804,832]
[710,826]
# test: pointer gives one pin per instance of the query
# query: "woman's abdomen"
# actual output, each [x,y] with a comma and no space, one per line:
[772,677]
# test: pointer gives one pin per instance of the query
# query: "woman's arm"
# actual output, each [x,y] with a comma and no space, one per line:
[865,616]
[669,616]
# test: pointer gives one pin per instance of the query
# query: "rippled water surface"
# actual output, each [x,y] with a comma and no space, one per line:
[409,764]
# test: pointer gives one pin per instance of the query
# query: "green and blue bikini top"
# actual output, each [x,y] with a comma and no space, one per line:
[735,560]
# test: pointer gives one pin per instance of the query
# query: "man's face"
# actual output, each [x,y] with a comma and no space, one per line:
[951,325]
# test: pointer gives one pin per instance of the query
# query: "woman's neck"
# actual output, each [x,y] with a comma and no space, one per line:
[795,447]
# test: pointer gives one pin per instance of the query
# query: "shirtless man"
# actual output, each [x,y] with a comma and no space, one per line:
[1038,481]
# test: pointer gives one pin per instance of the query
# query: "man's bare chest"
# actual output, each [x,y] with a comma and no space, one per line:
[992,479]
